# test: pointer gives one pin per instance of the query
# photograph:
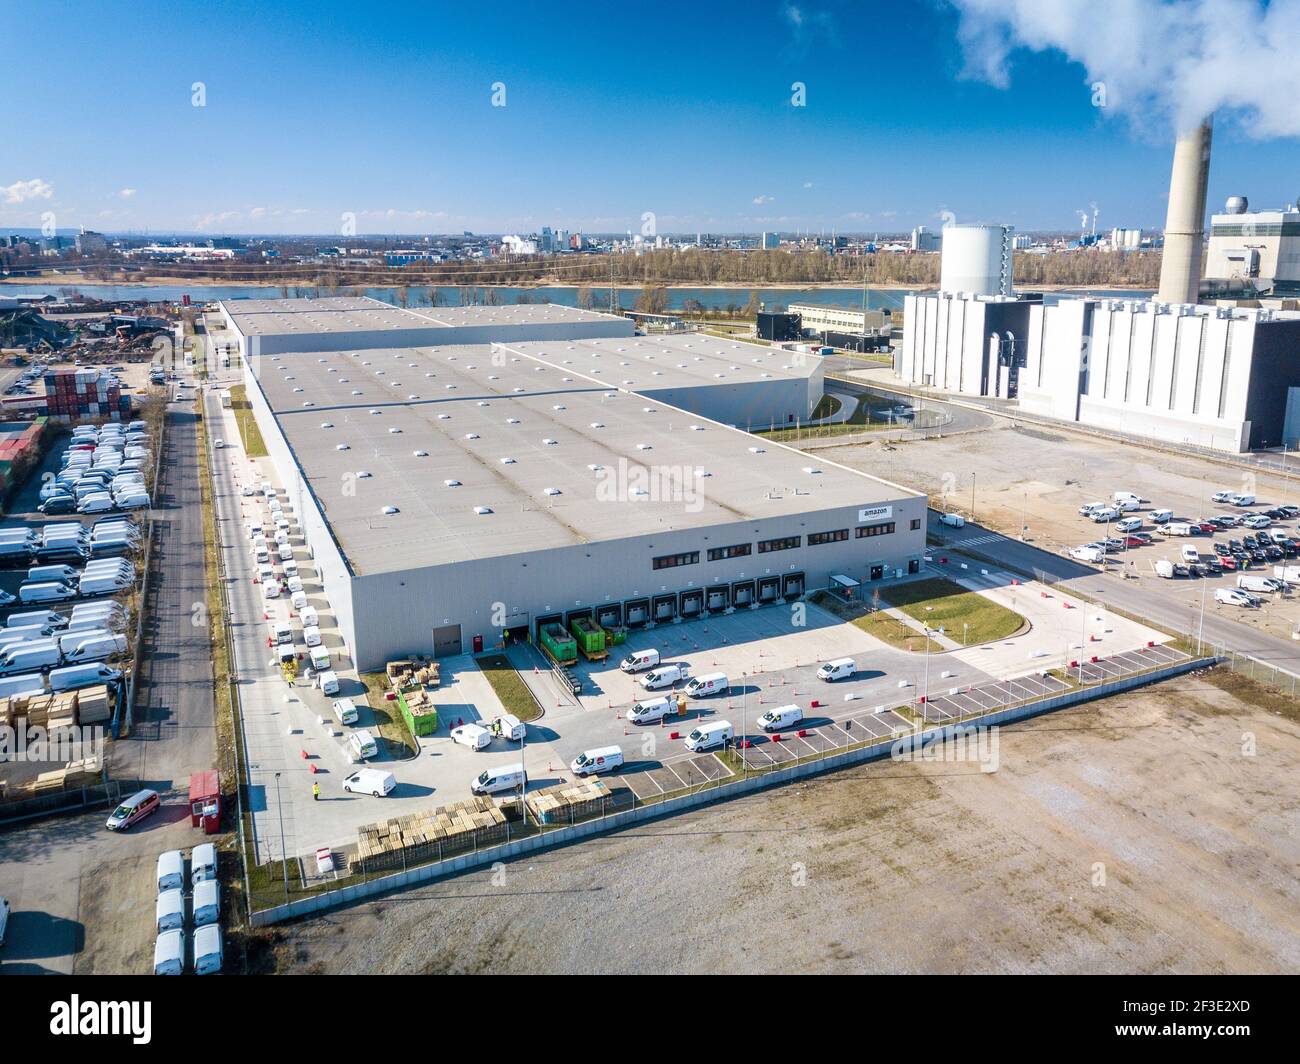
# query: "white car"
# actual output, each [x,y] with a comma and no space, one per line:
[953,520]
[247,491]
[1234,596]
[1257,521]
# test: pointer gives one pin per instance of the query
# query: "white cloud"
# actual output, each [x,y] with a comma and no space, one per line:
[806,23]
[760,200]
[807,184]
[22,191]
[1160,63]
[216,219]
[126,193]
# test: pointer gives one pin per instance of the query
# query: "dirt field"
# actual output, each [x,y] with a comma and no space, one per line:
[1042,477]
[1129,835]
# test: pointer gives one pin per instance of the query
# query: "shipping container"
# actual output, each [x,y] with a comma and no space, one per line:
[590,637]
[561,647]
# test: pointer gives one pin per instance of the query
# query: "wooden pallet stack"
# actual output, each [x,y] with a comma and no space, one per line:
[569,802]
[84,773]
[93,706]
[408,840]
[61,711]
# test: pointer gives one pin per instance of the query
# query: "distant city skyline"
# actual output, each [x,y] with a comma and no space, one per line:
[726,118]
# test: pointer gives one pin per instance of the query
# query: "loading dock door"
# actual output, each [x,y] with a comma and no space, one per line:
[446,641]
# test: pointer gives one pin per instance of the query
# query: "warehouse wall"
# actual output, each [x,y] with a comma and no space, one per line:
[758,404]
[395,613]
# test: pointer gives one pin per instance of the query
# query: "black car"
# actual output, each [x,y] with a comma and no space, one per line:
[1259,557]
[1234,545]
[1180,569]
[59,504]
[1195,569]
[1290,511]
[1222,549]
[1288,547]
[1214,565]
[1274,553]
[1249,542]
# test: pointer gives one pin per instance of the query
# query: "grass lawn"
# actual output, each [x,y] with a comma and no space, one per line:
[254,446]
[388,715]
[858,421]
[512,691]
[943,604]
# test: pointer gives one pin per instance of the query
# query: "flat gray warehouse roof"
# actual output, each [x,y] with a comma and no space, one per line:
[557,457]
[344,314]
[647,363]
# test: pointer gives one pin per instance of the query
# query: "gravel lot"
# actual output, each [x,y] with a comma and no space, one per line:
[1127,835]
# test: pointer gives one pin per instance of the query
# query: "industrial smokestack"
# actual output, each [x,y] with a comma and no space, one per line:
[1180,266]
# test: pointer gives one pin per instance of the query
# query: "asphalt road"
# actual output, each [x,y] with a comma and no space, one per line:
[1172,604]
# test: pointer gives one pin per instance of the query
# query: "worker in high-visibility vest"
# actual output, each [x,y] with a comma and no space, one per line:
[315,792]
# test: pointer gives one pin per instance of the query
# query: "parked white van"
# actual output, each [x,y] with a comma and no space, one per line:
[203,863]
[1178,528]
[713,683]
[639,660]
[511,728]
[363,745]
[169,911]
[207,950]
[707,736]
[475,736]
[594,762]
[497,780]
[780,718]
[319,658]
[663,676]
[311,635]
[328,682]
[207,903]
[370,781]
[299,601]
[169,953]
[839,669]
[345,710]
[1161,516]
[308,615]
[652,711]
[171,870]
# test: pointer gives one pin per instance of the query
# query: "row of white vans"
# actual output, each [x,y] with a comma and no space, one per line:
[68,541]
[60,583]
[170,910]
[37,641]
[714,683]
[102,469]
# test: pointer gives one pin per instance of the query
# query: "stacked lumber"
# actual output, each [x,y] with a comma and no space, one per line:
[36,708]
[48,781]
[569,802]
[408,840]
[93,706]
[62,711]
[84,772]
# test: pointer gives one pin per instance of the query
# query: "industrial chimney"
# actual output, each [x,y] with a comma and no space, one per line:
[1180,266]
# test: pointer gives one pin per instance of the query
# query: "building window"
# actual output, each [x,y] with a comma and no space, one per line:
[766,546]
[739,550]
[916,524]
[672,561]
[884,529]
[816,539]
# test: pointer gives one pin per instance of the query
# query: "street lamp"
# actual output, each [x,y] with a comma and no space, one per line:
[284,857]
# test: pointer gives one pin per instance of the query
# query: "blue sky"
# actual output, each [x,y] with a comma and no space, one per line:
[612,110]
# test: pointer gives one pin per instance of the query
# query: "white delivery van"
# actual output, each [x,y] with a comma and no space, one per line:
[707,736]
[284,552]
[639,660]
[29,594]
[1164,569]
[92,646]
[1122,497]
[207,903]
[652,711]
[1128,524]
[594,762]
[370,781]
[328,682]
[475,736]
[713,683]
[311,635]
[839,669]
[72,677]
[1242,500]
[953,520]
[1260,585]
[171,870]
[497,780]
[29,657]
[281,631]
[207,950]
[663,676]
[169,911]
[1160,517]
[345,710]
[203,863]
[511,728]
[169,953]
[780,718]
[319,658]
[271,588]
[308,616]
[295,584]
[1178,528]
[299,601]
[363,745]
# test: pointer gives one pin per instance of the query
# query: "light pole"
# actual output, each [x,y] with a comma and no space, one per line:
[284,857]
[1200,628]
[972,496]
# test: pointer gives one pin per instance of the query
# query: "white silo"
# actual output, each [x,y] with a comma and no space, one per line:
[976,260]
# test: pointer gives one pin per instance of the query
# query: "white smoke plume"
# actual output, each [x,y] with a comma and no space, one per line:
[1161,62]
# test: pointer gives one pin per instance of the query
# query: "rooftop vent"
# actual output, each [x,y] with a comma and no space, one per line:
[597,424]
[482,511]
[550,442]
[394,430]
[390,510]
[342,447]
[420,454]
[452,483]
[552,491]
[363,474]
[757,450]
[471,435]
[507,461]
[327,424]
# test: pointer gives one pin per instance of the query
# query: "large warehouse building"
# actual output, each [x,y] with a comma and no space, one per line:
[452,492]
